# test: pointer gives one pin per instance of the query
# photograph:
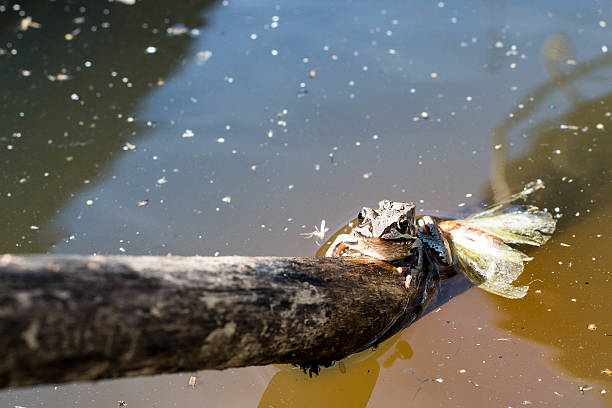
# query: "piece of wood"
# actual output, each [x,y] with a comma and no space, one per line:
[76,318]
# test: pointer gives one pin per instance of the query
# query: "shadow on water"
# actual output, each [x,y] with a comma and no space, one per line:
[70,90]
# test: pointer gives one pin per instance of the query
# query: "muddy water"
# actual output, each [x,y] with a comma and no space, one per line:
[233,127]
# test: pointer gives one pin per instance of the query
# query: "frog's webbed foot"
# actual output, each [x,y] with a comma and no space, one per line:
[437,243]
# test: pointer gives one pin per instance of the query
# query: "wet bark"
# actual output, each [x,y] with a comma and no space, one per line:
[76,318]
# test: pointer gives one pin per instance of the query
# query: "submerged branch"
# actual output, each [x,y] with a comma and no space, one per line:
[76,318]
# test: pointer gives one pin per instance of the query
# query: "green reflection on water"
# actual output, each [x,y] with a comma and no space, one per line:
[64,133]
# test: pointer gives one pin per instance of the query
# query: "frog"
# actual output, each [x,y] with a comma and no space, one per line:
[480,246]
[393,234]
[415,246]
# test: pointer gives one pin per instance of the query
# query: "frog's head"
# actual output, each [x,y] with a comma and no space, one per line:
[387,233]
[392,221]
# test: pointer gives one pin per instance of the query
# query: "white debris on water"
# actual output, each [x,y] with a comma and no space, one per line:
[203,56]
[568,127]
[318,233]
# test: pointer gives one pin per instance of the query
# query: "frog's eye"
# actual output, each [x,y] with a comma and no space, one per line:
[361,216]
[403,223]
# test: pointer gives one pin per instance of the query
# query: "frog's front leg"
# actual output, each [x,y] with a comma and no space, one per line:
[417,246]
[342,246]
[415,273]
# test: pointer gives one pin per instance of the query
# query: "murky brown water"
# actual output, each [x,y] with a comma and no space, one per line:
[264,118]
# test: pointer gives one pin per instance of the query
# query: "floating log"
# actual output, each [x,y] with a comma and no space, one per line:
[77,318]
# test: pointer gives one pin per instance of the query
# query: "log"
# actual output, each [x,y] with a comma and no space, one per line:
[77,318]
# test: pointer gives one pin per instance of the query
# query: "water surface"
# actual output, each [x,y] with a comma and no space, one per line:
[219,128]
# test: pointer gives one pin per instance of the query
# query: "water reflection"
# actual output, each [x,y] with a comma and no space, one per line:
[357,136]
[349,383]
[70,92]
[560,138]
[571,274]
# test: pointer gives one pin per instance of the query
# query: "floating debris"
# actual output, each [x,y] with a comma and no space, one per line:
[58,77]
[313,74]
[227,199]
[27,22]
[70,36]
[318,233]
[162,181]
[151,49]
[568,127]
[177,29]
[188,133]
[143,203]
[203,56]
